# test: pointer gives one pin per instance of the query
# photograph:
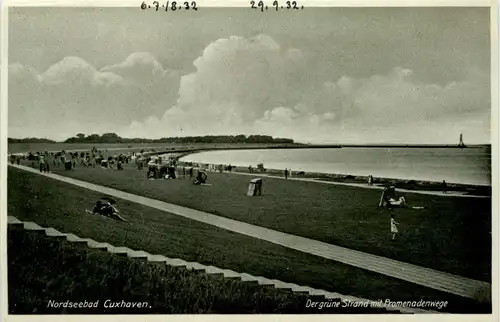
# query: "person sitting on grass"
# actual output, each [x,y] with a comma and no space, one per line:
[394,227]
[388,198]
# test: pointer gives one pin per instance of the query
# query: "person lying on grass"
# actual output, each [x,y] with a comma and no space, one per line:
[105,207]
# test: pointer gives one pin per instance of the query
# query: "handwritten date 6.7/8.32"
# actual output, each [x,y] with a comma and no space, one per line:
[284,5]
[170,5]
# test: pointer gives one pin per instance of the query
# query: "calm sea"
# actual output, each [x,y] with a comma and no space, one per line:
[469,166]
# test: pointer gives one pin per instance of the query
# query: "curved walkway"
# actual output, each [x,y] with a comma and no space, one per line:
[358,185]
[437,280]
[365,186]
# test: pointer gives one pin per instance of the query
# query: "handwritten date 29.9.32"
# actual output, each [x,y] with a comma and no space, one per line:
[170,6]
[285,5]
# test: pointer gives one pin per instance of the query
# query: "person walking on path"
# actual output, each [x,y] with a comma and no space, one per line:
[444,186]
[41,161]
[286,173]
[370,180]
[394,227]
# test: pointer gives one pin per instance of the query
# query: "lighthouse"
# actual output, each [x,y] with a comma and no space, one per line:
[461,144]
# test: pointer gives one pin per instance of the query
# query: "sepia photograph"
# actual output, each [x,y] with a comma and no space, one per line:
[273,158]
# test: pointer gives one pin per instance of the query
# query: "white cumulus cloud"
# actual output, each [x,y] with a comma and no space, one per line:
[245,86]
[73,96]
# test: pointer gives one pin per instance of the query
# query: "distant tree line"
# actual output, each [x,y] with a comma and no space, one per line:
[114,138]
[29,140]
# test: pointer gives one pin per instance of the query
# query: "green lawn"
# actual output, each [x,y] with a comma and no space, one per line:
[413,185]
[56,204]
[451,235]
[77,274]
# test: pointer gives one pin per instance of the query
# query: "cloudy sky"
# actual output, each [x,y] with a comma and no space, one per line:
[323,75]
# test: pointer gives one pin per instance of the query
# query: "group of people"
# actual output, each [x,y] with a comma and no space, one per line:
[44,166]
[228,168]
[15,159]
[70,160]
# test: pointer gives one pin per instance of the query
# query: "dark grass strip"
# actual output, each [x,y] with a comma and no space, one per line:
[46,270]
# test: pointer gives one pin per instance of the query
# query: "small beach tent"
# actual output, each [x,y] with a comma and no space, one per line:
[164,170]
[388,198]
[387,194]
[153,170]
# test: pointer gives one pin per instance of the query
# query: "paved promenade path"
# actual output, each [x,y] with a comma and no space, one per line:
[441,281]
[365,186]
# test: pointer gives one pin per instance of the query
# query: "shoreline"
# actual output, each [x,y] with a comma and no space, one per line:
[405,184]
[400,183]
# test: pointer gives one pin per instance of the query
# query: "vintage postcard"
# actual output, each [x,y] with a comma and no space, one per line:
[272,157]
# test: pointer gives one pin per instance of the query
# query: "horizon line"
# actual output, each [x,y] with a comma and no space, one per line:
[294,142]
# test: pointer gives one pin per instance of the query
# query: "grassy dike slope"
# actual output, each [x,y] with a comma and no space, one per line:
[451,235]
[51,203]
[77,273]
